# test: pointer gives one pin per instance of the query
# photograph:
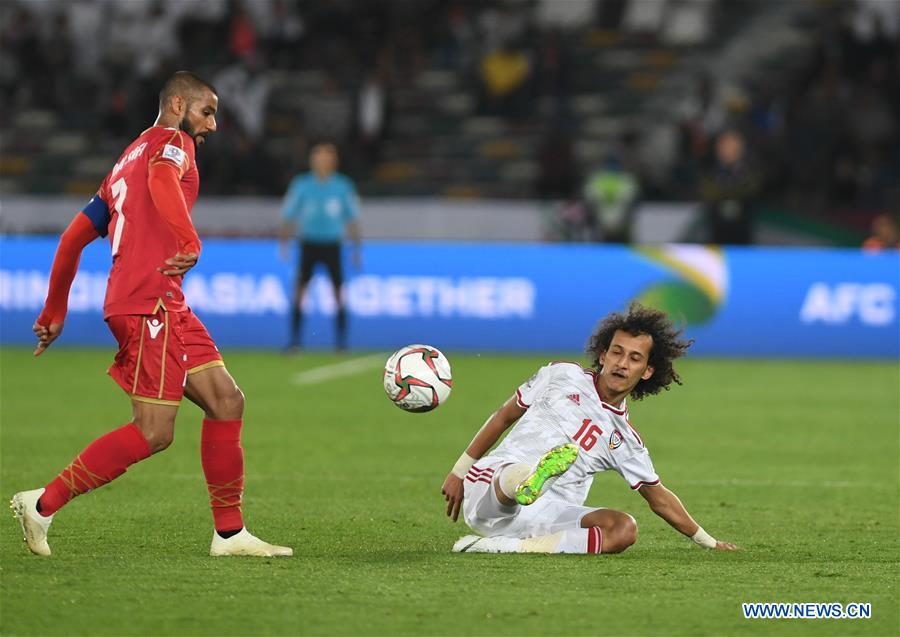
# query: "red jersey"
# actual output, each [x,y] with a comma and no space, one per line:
[141,241]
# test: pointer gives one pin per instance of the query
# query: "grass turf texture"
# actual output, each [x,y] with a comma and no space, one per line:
[795,461]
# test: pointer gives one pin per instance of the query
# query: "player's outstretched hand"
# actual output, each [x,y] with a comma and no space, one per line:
[46,335]
[179,264]
[727,546]
[453,494]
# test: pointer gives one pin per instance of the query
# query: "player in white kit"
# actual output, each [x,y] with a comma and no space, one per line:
[528,494]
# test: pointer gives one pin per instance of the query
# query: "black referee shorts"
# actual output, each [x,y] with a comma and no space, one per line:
[328,254]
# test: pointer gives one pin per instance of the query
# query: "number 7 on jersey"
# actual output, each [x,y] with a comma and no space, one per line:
[119,192]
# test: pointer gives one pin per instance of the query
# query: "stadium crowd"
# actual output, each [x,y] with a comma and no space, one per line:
[824,136]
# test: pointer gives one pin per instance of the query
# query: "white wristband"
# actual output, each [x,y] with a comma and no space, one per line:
[462,466]
[704,539]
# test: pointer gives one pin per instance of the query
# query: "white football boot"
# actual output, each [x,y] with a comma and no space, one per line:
[478,544]
[245,543]
[34,525]
[499,544]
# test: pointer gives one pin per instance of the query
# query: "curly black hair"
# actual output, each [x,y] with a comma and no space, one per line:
[667,344]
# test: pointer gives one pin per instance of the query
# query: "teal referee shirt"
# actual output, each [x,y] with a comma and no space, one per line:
[320,208]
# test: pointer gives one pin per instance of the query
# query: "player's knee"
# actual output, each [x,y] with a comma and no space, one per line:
[629,531]
[227,403]
[162,441]
[231,405]
[157,424]
[237,402]
[158,438]
[622,535]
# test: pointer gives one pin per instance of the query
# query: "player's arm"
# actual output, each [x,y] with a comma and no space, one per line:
[164,183]
[668,506]
[87,225]
[353,229]
[487,437]
[287,230]
[289,211]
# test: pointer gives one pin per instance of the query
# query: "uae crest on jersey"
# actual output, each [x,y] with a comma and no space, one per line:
[615,439]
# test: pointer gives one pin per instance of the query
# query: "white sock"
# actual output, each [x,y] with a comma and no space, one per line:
[510,477]
[579,541]
[571,541]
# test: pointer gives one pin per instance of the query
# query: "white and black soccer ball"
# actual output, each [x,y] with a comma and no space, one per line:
[417,378]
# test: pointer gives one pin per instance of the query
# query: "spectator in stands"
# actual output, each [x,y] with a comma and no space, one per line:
[371,116]
[154,36]
[285,34]
[244,89]
[611,193]
[456,36]
[505,74]
[328,114]
[885,235]
[701,115]
[241,33]
[765,117]
[729,189]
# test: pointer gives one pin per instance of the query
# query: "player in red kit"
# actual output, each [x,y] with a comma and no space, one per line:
[165,352]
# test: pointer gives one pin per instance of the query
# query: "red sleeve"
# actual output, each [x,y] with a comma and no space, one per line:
[65,264]
[165,190]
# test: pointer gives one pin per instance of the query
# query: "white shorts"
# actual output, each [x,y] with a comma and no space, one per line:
[484,513]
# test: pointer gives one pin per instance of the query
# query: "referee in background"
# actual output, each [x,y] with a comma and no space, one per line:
[318,207]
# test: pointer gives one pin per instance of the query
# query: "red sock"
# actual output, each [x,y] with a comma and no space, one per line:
[223,465]
[595,540]
[102,461]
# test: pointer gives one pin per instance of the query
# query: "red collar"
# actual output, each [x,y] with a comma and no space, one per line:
[619,412]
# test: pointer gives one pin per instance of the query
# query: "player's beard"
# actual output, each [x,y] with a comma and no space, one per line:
[190,130]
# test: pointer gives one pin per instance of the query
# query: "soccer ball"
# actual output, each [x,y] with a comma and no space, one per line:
[417,378]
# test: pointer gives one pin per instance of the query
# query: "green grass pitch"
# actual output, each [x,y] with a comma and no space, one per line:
[795,461]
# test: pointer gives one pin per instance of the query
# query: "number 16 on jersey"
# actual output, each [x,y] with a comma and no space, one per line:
[587,435]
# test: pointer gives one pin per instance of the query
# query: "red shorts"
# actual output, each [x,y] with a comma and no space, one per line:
[157,353]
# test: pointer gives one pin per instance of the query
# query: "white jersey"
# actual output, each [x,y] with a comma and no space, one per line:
[563,406]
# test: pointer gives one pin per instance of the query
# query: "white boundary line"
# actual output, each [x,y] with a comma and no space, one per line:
[339,370]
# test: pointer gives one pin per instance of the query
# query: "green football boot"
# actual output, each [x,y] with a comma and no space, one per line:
[554,463]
